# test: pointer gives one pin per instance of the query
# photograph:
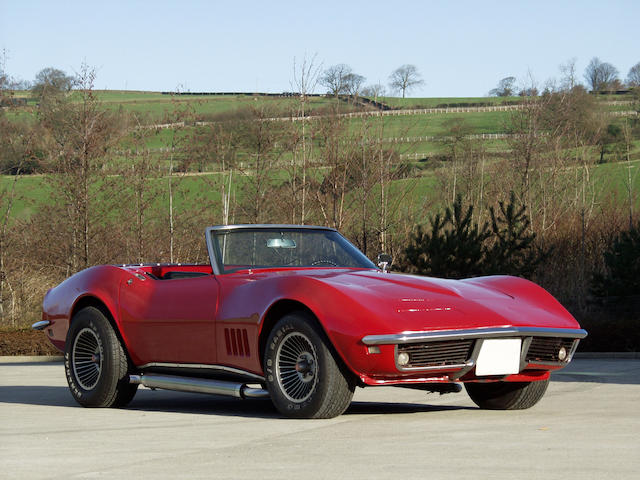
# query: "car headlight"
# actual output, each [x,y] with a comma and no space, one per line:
[562,354]
[403,359]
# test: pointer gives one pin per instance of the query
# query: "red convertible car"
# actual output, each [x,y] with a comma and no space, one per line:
[298,314]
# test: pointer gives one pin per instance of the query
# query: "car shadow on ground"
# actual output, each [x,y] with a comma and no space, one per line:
[194,403]
[37,395]
[609,371]
[383,408]
[177,402]
[197,403]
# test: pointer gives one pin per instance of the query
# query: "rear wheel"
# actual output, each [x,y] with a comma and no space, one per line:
[96,365]
[304,377]
[507,395]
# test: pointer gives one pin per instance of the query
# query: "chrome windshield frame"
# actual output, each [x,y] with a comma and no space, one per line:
[209,231]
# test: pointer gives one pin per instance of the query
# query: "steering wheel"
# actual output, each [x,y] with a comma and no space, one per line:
[324,261]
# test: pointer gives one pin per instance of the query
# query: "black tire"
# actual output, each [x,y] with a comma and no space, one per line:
[95,362]
[507,395]
[304,377]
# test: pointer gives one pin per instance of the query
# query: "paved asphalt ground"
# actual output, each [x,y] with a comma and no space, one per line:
[586,427]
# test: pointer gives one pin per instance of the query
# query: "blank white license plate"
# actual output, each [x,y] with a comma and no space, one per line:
[499,357]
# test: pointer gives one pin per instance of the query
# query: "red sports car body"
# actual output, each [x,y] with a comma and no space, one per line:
[298,314]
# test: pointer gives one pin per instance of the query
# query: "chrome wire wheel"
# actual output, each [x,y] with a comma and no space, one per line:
[297,367]
[87,358]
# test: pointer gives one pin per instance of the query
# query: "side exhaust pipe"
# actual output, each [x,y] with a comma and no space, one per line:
[198,385]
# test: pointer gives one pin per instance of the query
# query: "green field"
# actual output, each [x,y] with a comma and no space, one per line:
[155,107]
[440,124]
[435,102]
[33,191]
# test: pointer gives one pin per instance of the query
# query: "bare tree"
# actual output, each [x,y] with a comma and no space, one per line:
[139,175]
[633,77]
[569,75]
[81,134]
[214,144]
[405,78]
[178,163]
[335,78]
[600,75]
[353,84]
[259,137]
[331,190]
[4,76]
[305,79]
[631,177]
[505,88]
[374,91]
[16,144]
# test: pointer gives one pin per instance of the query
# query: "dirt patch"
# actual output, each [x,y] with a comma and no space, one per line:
[25,342]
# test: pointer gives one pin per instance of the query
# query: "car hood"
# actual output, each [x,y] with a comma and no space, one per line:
[397,302]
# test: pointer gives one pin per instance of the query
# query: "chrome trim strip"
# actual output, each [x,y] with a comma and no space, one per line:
[436,367]
[526,343]
[212,257]
[221,368]
[472,361]
[417,337]
[41,325]
[574,347]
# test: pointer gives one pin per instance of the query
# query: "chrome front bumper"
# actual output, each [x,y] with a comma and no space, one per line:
[458,350]
[41,325]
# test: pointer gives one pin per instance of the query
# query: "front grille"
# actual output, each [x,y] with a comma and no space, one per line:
[545,349]
[437,354]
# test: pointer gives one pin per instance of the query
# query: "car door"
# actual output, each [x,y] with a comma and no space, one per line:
[170,320]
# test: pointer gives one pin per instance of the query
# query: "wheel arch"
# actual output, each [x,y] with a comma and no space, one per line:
[275,312]
[99,304]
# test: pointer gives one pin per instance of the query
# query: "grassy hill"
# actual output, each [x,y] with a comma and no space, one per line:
[414,136]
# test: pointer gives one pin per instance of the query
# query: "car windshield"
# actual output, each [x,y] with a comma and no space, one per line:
[246,248]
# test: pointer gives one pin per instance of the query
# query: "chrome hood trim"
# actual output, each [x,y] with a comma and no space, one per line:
[416,337]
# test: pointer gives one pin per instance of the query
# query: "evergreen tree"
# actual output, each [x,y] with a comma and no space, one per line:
[622,272]
[457,247]
[452,248]
[513,251]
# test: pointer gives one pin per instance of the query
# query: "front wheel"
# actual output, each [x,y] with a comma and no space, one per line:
[507,395]
[95,363]
[304,377]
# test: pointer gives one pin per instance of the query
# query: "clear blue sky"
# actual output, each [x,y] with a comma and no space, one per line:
[462,48]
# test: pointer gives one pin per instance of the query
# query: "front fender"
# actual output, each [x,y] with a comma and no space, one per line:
[100,284]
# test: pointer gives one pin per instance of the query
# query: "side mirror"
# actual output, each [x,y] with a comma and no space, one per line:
[384,261]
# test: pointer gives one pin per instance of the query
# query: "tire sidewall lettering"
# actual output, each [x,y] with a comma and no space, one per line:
[275,340]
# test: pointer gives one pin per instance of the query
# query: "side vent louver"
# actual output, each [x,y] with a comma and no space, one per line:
[237,342]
